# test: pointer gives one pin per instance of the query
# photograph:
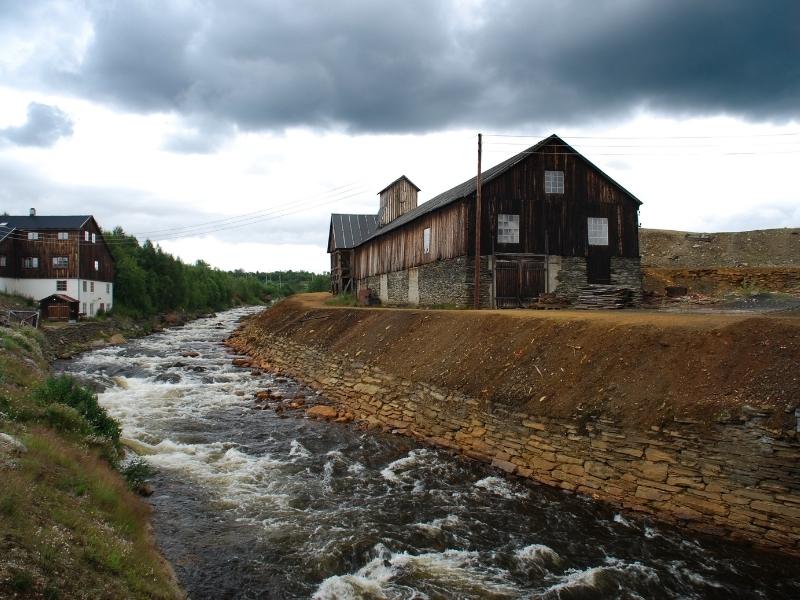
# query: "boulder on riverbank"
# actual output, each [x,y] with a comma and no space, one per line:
[321,411]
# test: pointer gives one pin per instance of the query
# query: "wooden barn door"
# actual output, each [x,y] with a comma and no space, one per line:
[598,265]
[58,312]
[519,281]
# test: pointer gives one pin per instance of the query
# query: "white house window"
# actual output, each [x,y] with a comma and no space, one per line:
[83,305]
[63,235]
[60,262]
[85,236]
[598,231]
[91,286]
[426,240]
[108,288]
[97,265]
[2,261]
[31,262]
[33,235]
[508,229]
[93,238]
[554,182]
[84,289]
[61,285]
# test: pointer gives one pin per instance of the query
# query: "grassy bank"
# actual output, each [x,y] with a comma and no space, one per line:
[69,525]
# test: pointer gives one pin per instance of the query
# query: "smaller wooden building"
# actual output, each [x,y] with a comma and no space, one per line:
[59,307]
[345,233]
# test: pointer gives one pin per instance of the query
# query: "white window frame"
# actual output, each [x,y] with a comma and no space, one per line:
[94,238]
[91,286]
[597,231]
[61,262]
[507,229]
[3,261]
[33,235]
[31,262]
[85,236]
[84,288]
[426,240]
[61,285]
[83,304]
[554,182]
[97,265]
[63,235]
[108,288]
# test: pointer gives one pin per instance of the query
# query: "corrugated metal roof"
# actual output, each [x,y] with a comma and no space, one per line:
[350,230]
[468,187]
[44,222]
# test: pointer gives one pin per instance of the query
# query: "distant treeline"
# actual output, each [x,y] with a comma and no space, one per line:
[150,281]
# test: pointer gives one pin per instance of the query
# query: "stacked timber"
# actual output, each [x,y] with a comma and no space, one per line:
[548,301]
[604,296]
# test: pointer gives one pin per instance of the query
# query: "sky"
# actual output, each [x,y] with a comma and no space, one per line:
[229,130]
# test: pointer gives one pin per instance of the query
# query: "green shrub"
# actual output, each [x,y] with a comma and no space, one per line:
[136,472]
[65,418]
[65,390]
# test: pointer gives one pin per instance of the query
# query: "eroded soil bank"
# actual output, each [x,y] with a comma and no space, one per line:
[691,418]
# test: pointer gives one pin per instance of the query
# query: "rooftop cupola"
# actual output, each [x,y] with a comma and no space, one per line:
[397,198]
[33,212]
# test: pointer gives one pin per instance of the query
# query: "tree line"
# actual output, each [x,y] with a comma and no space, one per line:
[150,281]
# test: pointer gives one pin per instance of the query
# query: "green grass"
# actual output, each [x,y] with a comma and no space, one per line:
[342,300]
[66,514]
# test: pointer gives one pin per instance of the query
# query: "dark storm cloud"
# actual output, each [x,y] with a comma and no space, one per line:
[44,126]
[422,65]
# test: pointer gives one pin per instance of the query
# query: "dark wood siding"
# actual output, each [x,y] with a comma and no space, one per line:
[402,248]
[46,248]
[556,223]
[97,251]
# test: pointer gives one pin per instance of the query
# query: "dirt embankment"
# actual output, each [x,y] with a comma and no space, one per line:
[639,368]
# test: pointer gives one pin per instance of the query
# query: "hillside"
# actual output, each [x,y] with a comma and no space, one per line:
[682,249]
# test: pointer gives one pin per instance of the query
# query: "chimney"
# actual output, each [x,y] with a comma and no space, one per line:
[33,212]
[397,198]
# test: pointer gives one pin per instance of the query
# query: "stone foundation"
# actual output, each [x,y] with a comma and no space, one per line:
[571,277]
[627,272]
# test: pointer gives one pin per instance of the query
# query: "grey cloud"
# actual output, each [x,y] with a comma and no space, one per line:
[423,65]
[44,126]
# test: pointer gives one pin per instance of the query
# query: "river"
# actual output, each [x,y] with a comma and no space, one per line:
[252,504]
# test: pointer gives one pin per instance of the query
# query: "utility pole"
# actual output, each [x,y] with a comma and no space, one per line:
[477,283]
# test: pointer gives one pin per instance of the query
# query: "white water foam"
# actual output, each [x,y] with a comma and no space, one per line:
[500,487]
[538,554]
[396,471]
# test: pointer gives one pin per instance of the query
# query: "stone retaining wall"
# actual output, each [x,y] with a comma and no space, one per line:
[731,479]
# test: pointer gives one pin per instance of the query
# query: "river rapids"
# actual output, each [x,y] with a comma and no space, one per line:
[252,504]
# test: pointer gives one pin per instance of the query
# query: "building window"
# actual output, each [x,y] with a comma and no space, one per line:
[83,306]
[91,286]
[108,288]
[2,261]
[61,285]
[97,265]
[426,240]
[85,236]
[508,229]
[93,238]
[84,289]
[31,262]
[33,235]
[60,262]
[63,235]
[598,231]
[554,182]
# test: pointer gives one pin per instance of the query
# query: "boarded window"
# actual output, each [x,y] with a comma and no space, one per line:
[554,182]
[97,265]
[63,235]
[598,231]
[61,285]
[31,262]
[33,235]
[508,229]
[60,262]
[426,240]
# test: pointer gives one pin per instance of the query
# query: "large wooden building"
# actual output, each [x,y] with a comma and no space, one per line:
[42,256]
[551,221]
